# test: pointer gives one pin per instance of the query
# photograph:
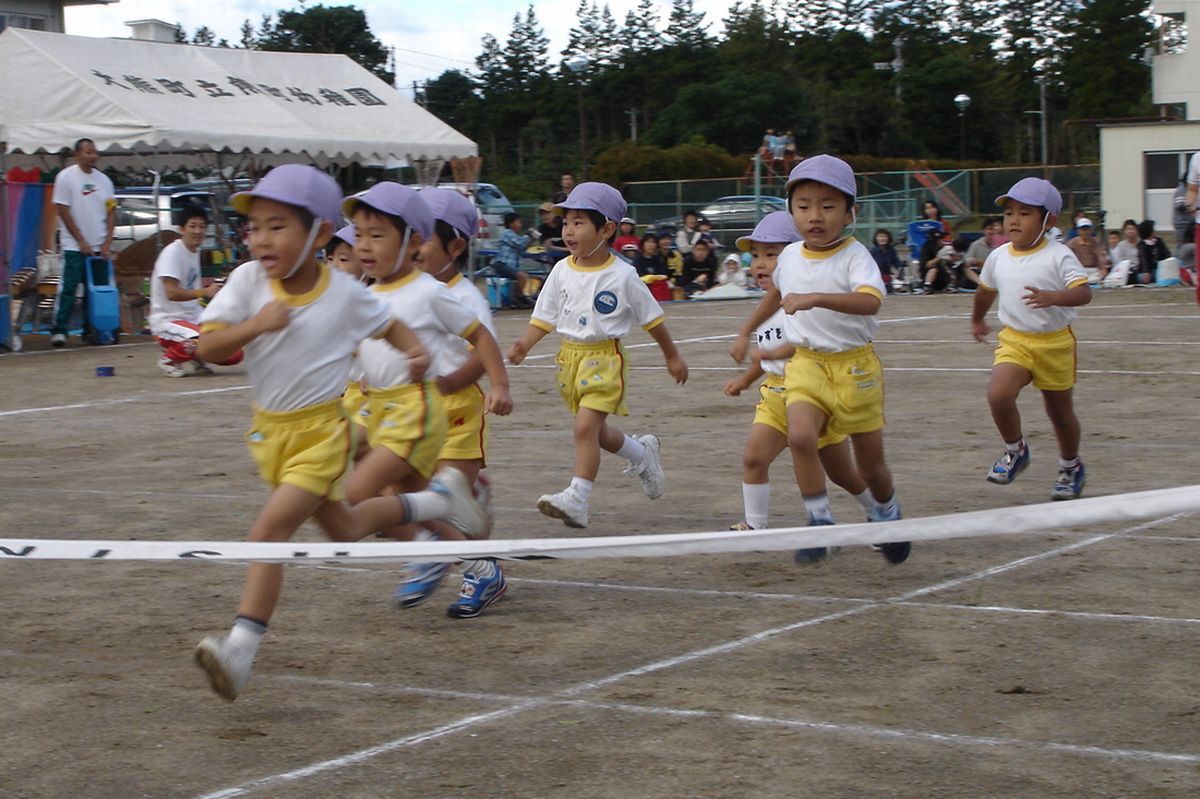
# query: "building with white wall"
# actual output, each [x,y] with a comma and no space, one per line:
[40,15]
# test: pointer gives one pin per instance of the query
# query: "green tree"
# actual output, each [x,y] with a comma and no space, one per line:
[686,26]
[451,97]
[641,34]
[249,37]
[328,29]
[1103,65]
[204,37]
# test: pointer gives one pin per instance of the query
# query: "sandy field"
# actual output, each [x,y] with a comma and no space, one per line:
[1061,664]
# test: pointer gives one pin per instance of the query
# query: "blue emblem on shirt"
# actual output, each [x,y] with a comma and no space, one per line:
[605,302]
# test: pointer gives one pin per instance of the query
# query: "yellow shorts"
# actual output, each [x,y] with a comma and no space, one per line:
[308,448]
[466,432]
[846,386]
[593,376]
[771,410]
[408,420]
[1049,357]
[353,400]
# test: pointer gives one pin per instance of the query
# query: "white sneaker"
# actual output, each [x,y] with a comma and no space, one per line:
[202,369]
[170,368]
[566,505]
[227,666]
[58,340]
[649,469]
[465,511]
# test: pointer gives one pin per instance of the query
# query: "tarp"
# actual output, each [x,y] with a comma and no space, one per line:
[133,96]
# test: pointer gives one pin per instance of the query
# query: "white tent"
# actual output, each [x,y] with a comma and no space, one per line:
[161,100]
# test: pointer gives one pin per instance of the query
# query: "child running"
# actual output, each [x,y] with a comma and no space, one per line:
[455,221]
[831,290]
[299,322]
[406,419]
[768,433]
[1040,283]
[339,254]
[592,298]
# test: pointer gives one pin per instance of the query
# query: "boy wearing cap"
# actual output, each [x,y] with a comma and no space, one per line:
[1092,254]
[406,420]
[1039,283]
[768,433]
[299,322]
[831,290]
[592,299]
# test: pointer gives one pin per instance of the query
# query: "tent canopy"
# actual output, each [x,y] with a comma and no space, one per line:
[136,97]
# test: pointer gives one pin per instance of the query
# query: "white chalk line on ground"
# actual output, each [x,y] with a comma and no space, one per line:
[660,665]
[125,400]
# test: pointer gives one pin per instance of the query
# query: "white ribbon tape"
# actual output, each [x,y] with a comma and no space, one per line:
[998,521]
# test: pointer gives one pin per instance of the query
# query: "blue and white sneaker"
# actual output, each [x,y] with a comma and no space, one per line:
[810,555]
[1070,482]
[420,583]
[1005,470]
[895,552]
[476,593]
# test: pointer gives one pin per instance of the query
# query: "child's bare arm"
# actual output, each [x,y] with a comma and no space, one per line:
[858,303]
[498,400]
[675,363]
[746,379]
[780,353]
[521,347]
[220,344]
[401,336]
[768,305]
[1065,298]
[984,297]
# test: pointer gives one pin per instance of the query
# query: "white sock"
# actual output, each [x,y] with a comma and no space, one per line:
[888,506]
[247,633]
[420,506]
[631,450]
[1015,446]
[1068,464]
[756,499]
[866,500]
[582,487]
[818,506]
[425,534]
[482,568]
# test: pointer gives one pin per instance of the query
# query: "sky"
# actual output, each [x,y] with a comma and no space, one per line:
[430,36]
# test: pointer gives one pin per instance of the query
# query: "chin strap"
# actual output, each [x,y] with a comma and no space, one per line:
[853,222]
[403,250]
[593,252]
[308,243]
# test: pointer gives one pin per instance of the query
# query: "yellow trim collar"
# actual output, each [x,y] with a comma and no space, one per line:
[308,297]
[454,281]
[821,255]
[384,288]
[1022,253]
[612,259]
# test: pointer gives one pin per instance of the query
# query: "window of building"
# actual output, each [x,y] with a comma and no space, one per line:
[1163,169]
[27,21]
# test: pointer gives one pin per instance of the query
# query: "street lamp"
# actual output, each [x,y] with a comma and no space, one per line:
[577,64]
[962,102]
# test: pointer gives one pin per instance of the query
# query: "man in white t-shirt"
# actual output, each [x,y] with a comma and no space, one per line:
[175,293]
[87,214]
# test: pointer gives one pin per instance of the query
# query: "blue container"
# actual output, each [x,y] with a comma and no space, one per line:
[499,292]
[106,371]
[103,302]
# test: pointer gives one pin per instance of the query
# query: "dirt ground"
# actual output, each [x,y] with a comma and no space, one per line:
[1053,665]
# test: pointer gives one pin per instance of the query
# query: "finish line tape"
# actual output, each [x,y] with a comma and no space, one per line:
[994,522]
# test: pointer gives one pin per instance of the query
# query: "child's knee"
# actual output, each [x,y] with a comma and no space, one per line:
[803,441]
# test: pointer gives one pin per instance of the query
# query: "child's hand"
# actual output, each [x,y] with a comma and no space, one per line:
[418,362]
[1040,298]
[498,401]
[980,331]
[737,350]
[799,302]
[517,352]
[210,291]
[272,316]
[678,369]
[736,386]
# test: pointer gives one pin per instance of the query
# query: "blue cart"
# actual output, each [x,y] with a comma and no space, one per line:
[103,319]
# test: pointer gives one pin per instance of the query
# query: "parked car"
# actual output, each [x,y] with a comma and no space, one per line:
[491,204]
[731,216]
[138,217]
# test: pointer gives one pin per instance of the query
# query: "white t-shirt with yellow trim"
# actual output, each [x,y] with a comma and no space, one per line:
[307,362]
[845,269]
[593,304]
[1047,266]
[431,312]
[771,335]
[457,349]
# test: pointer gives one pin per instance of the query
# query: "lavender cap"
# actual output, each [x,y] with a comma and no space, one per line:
[392,198]
[296,184]
[594,197]
[774,228]
[454,209]
[824,169]
[1034,191]
[346,234]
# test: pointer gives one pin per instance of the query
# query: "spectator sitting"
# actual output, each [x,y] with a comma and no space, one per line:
[966,277]
[687,235]
[705,228]
[1074,231]
[884,253]
[650,261]
[731,271]
[550,230]
[699,267]
[933,211]
[508,257]
[626,235]
[671,257]
[1126,249]
[1091,253]
[982,247]
[942,261]
[1114,238]
[1186,252]
[1151,250]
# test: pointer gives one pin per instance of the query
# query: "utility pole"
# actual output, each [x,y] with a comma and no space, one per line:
[632,114]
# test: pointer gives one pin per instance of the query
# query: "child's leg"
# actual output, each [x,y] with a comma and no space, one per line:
[838,463]
[763,446]
[868,455]
[286,509]
[591,434]
[1060,407]
[376,471]
[1007,381]
[805,422]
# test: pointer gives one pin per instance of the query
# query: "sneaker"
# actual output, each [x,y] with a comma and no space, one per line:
[1005,470]
[170,368]
[420,581]
[227,666]
[202,369]
[465,512]
[566,505]
[477,593]
[741,527]
[649,469]
[1069,484]
[813,554]
[895,552]
[58,341]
